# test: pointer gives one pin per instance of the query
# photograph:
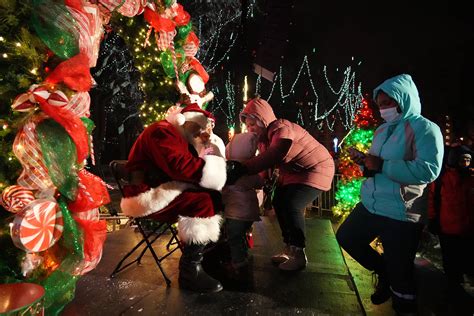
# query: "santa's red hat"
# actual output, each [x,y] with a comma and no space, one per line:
[192,113]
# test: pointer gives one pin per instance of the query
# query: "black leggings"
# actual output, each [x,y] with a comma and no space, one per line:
[399,240]
[289,203]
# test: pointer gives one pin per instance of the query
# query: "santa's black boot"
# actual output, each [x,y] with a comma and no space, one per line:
[191,274]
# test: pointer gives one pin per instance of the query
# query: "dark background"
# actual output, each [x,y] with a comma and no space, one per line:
[431,42]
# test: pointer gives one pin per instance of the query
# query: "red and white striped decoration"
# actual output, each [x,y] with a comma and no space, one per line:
[38,226]
[91,215]
[128,8]
[88,27]
[111,5]
[132,7]
[58,98]
[80,104]
[165,40]
[89,263]
[27,149]
[16,197]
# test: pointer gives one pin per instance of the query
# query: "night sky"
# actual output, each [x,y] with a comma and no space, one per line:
[433,44]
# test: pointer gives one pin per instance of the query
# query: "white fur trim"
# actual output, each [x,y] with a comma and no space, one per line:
[153,200]
[199,230]
[214,173]
[196,117]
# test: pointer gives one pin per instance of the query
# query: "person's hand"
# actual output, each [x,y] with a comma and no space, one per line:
[373,163]
[208,151]
[356,155]
[234,171]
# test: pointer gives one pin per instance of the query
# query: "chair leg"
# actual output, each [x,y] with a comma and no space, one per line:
[119,267]
[148,245]
[174,237]
[139,259]
[153,253]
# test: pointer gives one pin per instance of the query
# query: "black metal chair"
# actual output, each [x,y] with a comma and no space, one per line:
[122,177]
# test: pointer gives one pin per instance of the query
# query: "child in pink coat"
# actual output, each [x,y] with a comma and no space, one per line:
[240,199]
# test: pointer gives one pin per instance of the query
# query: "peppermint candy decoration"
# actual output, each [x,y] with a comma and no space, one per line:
[27,101]
[58,98]
[38,226]
[16,197]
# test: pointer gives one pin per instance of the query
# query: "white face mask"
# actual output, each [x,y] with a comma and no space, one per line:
[390,114]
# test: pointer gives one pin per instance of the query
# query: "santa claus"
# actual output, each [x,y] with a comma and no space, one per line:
[171,182]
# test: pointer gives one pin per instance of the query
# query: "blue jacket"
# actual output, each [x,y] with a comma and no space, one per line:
[412,150]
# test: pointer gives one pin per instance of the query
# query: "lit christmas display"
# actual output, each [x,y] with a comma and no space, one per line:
[359,137]
[159,88]
[214,29]
[50,229]
[348,97]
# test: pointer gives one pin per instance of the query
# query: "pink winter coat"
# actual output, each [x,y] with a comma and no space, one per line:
[305,162]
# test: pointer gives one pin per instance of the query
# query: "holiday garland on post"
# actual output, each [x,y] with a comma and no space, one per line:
[54,207]
[359,137]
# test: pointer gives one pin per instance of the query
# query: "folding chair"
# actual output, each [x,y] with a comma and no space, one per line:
[122,177]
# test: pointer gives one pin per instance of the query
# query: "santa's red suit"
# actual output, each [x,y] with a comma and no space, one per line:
[177,183]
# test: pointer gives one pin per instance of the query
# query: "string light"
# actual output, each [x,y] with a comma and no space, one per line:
[246,88]
[348,96]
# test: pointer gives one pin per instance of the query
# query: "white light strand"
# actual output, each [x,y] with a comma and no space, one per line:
[273,87]
[211,68]
[349,98]
[299,118]
[257,84]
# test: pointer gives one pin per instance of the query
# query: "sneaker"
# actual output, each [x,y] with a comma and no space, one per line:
[282,256]
[297,260]
[382,291]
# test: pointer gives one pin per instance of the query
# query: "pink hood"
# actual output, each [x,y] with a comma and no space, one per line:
[259,109]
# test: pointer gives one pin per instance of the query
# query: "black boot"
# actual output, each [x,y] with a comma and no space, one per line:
[382,289]
[404,307]
[191,274]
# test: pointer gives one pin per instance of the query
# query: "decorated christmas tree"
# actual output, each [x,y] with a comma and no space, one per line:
[360,138]
[156,68]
